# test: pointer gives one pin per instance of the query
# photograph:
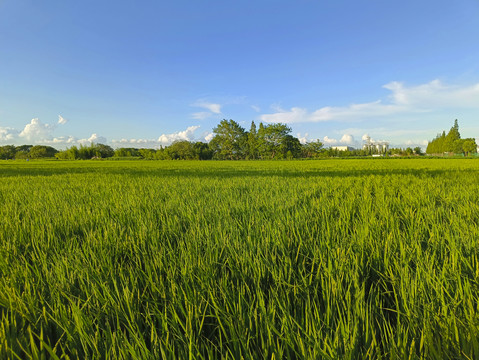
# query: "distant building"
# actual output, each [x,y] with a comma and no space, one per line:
[342,148]
[379,147]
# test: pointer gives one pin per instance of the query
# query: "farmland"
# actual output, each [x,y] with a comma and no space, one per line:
[356,258]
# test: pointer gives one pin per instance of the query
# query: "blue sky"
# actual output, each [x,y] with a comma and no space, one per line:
[145,73]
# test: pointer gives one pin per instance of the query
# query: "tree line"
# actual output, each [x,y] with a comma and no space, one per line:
[27,152]
[451,143]
[233,142]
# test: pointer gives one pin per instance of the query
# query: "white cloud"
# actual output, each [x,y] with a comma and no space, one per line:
[287,117]
[303,139]
[385,132]
[212,107]
[62,140]
[256,108]
[366,137]
[201,115]
[94,138]
[188,134]
[163,140]
[208,137]
[67,141]
[37,131]
[429,97]
[434,95]
[347,139]
[414,143]
[137,143]
[8,134]
[329,141]
[62,120]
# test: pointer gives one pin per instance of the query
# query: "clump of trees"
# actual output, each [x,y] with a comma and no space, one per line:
[84,152]
[417,151]
[451,143]
[9,152]
[271,141]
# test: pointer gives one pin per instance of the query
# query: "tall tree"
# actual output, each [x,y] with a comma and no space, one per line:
[290,147]
[272,136]
[229,140]
[469,146]
[452,136]
[446,143]
[260,141]
[312,149]
[252,148]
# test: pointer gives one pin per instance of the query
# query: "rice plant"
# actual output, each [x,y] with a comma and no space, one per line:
[331,259]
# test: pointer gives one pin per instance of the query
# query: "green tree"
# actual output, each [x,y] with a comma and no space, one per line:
[252,148]
[147,153]
[229,140]
[161,154]
[22,151]
[41,151]
[201,151]
[102,150]
[458,146]
[442,143]
[452,136]
[126,152]
[7,152]
[180,150]
[312,149]
[290,147]
[271,139]
[469,146]
[261,145]
[436,146]
[69,154]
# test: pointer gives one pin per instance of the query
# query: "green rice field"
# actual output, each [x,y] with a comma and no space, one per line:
[325,259]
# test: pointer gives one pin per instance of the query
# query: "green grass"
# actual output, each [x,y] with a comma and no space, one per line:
[332,259]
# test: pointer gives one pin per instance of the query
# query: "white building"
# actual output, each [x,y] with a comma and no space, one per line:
[379,147]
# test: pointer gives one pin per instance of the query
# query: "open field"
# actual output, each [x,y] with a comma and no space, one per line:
[324,259]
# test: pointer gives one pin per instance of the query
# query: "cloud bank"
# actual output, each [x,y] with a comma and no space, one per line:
[429,97]
[37,132]
[346,139]
[189,134]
